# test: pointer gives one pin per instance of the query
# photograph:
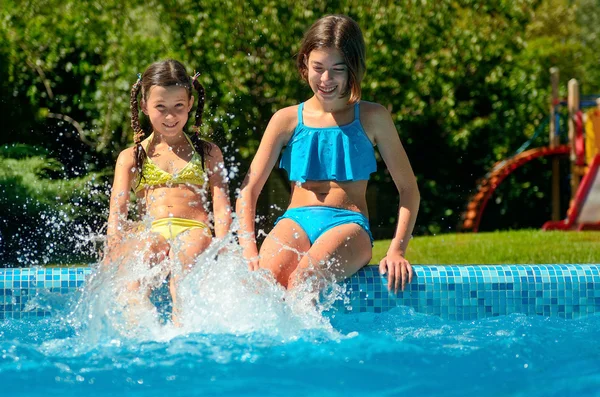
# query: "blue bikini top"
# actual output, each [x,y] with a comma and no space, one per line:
[339,153]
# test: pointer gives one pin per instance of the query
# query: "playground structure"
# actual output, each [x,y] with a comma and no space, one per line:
[583,149]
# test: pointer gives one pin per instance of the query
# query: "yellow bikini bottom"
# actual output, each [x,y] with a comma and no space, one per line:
[170,228]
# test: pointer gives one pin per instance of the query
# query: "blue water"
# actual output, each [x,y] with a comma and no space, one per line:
[242,334]
[385,354]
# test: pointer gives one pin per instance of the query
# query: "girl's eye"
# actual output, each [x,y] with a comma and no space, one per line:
[179,105]
[338,70]
[318,69]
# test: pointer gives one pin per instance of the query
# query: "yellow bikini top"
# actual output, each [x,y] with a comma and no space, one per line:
[192,173]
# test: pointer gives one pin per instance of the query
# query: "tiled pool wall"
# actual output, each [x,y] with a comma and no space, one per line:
[451,292]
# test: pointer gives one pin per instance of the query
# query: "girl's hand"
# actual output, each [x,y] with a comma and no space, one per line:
[251,256]
[253,265]
[399,271]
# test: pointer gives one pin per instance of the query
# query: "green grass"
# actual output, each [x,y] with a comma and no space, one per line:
[522,247]
[512,247]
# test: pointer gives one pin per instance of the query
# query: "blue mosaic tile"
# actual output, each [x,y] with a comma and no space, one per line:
[451,292]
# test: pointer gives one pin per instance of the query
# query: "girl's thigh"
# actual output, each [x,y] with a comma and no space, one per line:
[149,249]
[186,247]
[283,249]
[133,258]
[339,252]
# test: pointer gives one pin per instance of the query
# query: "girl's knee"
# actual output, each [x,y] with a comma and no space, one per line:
[312,278]
[155,249]
[291,281]
[368,256]
[156,255]
[279,271]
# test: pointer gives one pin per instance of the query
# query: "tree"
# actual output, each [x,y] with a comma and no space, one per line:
[466,81]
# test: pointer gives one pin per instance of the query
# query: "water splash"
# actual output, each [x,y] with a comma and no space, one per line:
[217,295]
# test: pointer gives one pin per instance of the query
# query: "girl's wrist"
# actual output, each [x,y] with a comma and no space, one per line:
[246,237]
[396,251]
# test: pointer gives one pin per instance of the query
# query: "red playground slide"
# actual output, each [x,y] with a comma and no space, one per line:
[487,186]
[584,212]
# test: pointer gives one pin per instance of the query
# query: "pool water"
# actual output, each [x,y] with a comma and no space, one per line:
[389,353]
[242,334]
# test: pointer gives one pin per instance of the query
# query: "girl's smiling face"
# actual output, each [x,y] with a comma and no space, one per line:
[327,74]
[168,109]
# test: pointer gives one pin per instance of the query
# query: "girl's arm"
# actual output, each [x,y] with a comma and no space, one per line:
[393,154]
[219,191]
[119,198]
[278,132]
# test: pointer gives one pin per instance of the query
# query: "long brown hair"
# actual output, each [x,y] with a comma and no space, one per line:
[342,33]
[165,74]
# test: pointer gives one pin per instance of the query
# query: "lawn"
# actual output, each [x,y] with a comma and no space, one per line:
[506,247]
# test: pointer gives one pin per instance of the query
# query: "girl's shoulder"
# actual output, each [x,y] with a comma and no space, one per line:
[213,148]
[376,121]
[128,152]
[126,162]
[126,156]
[286,119]
[372,109]
[373,114]
[214,154]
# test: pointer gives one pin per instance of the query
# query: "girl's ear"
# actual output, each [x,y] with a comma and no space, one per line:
[305,60]
[190,104]
[144,106]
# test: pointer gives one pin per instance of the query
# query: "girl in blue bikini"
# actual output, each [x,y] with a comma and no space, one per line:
[328,152]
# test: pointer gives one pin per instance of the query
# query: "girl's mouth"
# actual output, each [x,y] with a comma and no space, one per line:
[327,90]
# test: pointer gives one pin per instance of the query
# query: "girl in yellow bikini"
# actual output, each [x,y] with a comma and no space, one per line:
[173,176]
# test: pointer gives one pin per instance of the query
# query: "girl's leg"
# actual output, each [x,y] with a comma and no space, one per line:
[188,246]
[342,250]
[152,249]
[148,252]
[283,250]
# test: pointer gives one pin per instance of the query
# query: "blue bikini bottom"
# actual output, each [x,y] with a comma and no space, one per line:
[316,220]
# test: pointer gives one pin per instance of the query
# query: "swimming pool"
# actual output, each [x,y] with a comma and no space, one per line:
[491,330]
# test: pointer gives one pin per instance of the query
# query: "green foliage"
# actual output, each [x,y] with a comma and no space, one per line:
[19,151]
[78,59]
[566,34]
[466,81]
[40,211]
[29,188]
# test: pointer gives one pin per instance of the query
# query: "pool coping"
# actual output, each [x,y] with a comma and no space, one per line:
[455,292]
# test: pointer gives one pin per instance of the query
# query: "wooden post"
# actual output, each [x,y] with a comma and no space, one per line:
[554,142]
[573,104]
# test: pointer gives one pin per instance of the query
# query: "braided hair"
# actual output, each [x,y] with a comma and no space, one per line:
[165,74]
[199,144]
